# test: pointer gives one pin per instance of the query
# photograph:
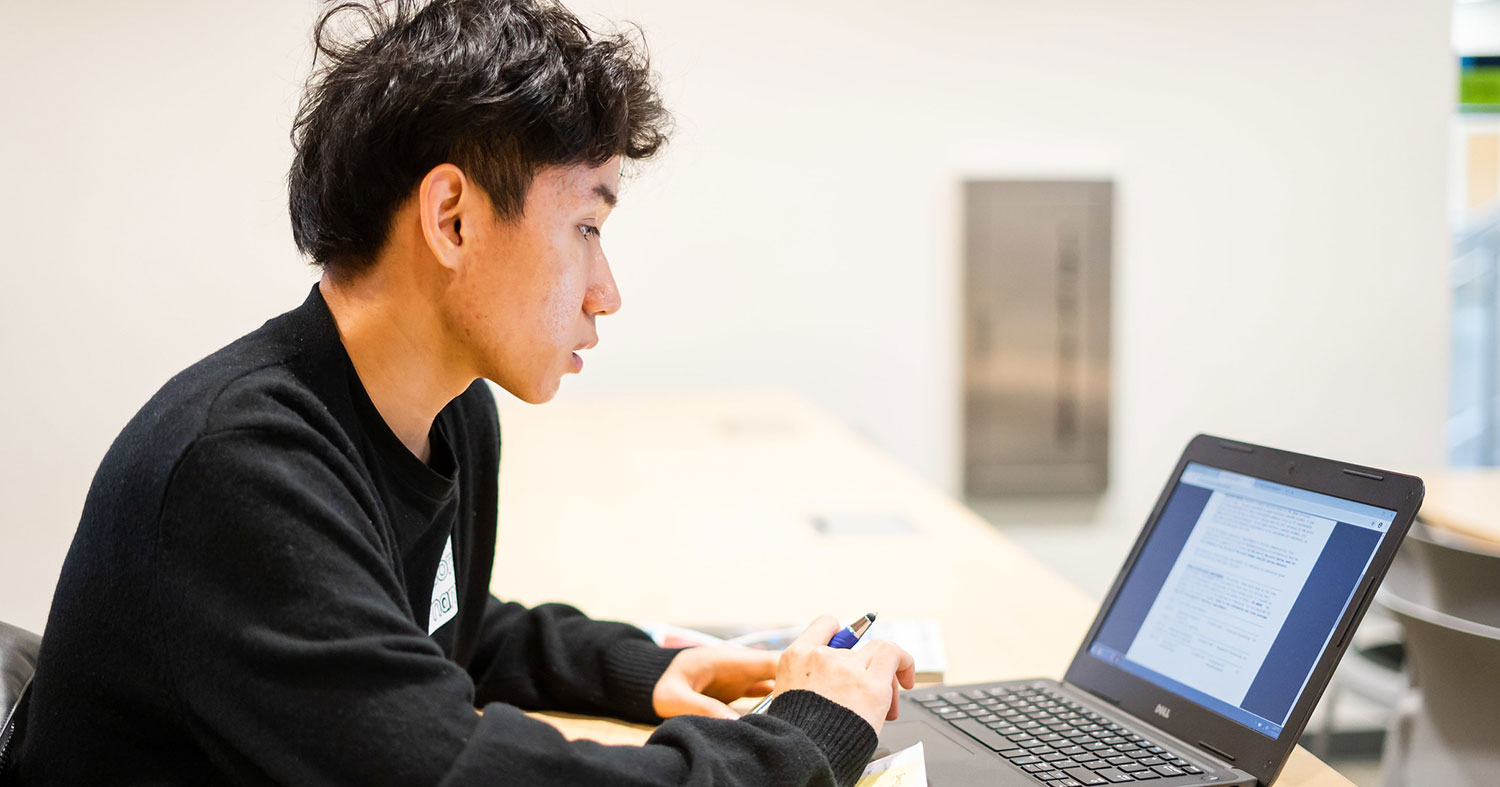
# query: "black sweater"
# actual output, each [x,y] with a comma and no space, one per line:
[254,596]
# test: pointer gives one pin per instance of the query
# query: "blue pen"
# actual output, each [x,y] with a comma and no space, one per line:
[847,637]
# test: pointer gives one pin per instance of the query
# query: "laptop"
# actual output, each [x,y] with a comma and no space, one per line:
[1210,650]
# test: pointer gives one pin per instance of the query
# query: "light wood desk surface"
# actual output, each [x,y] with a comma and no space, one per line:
[1464,501]
[699,509]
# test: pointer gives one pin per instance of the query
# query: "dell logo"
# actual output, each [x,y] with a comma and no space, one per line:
[1163,711]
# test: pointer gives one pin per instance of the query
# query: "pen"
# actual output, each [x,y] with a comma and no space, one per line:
[847,637]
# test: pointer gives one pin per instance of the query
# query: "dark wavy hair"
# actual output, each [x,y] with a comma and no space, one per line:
[500,88]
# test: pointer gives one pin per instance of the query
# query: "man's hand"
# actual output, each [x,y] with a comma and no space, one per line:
[701,680]
[865,681]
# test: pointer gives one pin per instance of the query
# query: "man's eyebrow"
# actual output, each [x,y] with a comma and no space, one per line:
[603,192]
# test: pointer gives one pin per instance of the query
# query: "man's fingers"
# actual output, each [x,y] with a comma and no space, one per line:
[695,704]
[760,689]
[890,657]
[817,633]
[907,672]
[712,707]
[759,664]
[895,700]
[747,665]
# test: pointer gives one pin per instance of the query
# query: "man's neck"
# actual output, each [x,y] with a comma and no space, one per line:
[395,339]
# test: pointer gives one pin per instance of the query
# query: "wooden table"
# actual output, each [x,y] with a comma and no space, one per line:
[701,509]
[1464,501]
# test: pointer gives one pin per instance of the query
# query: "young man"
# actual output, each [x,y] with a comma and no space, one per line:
[281,574]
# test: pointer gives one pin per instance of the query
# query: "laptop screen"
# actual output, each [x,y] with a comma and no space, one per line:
[1237,592]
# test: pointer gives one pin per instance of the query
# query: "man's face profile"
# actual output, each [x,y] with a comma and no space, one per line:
[525,295]
[531,118]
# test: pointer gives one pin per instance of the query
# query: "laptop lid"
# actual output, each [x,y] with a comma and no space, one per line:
[1238,598]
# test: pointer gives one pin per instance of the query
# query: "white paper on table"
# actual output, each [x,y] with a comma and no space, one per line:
[905,768]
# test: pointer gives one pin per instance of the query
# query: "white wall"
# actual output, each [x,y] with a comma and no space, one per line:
[1280,253]
[1476,27]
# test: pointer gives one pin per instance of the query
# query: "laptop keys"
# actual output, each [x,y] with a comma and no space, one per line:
[1058,742]
[1086,777]
[991,739]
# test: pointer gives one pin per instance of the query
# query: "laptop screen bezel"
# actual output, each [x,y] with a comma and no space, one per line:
[1248,749]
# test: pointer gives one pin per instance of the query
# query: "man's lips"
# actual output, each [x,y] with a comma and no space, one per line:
[577,361]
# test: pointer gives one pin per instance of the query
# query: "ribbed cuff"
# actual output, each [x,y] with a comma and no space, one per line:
[847,740]
[632,668]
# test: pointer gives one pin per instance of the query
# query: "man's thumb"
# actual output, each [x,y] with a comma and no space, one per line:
[702,705]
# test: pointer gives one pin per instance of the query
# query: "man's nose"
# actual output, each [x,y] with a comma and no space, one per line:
[603,297]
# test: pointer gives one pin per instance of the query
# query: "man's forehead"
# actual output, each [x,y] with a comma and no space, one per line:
[585,183]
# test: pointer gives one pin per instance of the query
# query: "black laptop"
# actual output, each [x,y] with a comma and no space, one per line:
[1212,648]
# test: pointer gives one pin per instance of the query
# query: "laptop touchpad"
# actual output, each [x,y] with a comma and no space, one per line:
[936,744]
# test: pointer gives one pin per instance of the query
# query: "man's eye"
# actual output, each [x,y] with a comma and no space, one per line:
[588,230]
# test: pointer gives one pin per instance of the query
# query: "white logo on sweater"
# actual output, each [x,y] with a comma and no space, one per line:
[444,591]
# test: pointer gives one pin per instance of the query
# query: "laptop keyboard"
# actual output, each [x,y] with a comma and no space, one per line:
[1058,741]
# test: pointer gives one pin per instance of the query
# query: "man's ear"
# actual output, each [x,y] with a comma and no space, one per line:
[443,200]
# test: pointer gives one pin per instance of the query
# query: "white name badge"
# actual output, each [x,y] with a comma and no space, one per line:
[444,591]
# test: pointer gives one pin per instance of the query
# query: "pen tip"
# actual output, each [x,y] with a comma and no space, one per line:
[871,616]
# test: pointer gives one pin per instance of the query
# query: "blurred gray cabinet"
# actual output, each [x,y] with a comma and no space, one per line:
[1036,337]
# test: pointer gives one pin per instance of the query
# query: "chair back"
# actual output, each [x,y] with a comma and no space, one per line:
[18,652]
[1463,575]
[1449,737]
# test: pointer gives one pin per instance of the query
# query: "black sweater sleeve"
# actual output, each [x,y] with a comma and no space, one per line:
[553,657]
[294,659]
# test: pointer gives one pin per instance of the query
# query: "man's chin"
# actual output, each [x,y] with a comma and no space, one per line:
[539,394]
